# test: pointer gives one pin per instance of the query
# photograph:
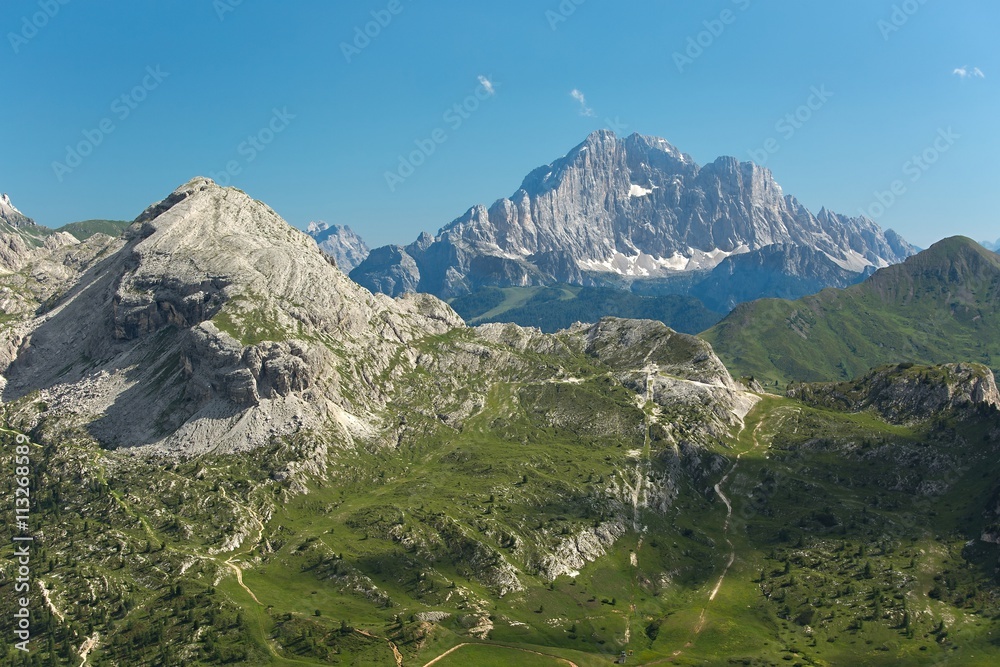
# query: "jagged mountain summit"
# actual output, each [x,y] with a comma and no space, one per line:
[621,210]
[340,242]
[10,215]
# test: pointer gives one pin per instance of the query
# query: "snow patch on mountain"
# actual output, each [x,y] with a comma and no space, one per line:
[639,191]
[646,266]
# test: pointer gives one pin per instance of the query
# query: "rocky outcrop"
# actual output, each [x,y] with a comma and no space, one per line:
[906,393]
[632,209]
[14,252]
[573,553]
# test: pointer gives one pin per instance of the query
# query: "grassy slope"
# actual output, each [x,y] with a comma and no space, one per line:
[825,507]
[33,235]
[87,228]
[938,307]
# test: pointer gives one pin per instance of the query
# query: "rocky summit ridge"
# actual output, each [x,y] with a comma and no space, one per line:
[633,209]
[229,312]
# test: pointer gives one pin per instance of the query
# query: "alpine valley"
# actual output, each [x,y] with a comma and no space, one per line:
[239,456]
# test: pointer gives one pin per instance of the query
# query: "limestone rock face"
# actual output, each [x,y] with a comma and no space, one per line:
[244,327]
[906,393]
[13,252]
[635,208]
[9,214]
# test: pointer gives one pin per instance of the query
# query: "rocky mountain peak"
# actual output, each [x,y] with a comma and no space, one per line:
[633,207]
[233,311]
[11,215]
[339,242]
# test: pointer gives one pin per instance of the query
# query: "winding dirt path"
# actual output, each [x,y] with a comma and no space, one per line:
[702,618]
[395,650]
[239,579]
[87,647]
[510,648]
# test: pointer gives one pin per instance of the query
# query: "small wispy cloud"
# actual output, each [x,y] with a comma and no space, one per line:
[487,85]
[577,95]
[966,72]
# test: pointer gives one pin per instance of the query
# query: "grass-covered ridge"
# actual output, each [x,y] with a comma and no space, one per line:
[86,228]
[940,306]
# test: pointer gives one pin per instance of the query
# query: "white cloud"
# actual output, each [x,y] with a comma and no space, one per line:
[579,97]
[487,85]
[966,72]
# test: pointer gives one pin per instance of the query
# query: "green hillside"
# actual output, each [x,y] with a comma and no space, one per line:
[87,228]
[940,306]
[560,306]
[850,540]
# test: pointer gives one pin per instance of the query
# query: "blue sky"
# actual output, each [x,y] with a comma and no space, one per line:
[157,92]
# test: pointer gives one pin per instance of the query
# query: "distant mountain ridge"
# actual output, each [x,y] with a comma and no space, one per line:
[626,211]
[340,242]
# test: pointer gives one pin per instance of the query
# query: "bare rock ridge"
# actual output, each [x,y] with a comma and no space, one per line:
[10,215]
[215,325]
[19,234]
[631,209]
[905,392]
